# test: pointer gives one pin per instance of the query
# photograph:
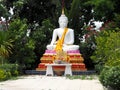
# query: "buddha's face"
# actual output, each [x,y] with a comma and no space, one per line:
[63,21]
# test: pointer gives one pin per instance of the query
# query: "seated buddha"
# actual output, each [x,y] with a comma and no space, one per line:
[64,35]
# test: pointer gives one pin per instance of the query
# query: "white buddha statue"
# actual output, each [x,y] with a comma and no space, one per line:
[68,40]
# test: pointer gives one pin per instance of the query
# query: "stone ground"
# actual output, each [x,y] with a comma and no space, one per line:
[41,82]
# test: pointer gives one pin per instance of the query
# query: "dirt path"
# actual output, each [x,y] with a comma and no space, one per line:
[37,82]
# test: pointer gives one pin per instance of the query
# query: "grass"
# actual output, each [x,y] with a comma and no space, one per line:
[83,77]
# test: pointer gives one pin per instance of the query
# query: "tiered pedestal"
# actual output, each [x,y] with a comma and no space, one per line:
[68,70]
[73,57]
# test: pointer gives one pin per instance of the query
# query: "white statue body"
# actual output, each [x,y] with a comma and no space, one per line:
[69,37]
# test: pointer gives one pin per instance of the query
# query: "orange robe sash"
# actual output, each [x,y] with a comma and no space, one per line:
[61,41]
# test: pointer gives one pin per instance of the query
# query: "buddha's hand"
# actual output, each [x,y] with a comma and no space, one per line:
[64,45]
[53,43]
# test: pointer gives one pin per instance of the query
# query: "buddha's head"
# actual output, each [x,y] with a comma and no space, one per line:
[63,21]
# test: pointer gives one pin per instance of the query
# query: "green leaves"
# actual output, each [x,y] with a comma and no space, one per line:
[110,77]
[23,50]
[31,44]
[108,48]
[42,36]
[103,9]
[18,28]
[3,11]
[5,44]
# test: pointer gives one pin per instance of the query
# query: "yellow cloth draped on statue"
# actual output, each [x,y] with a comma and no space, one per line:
[61,41]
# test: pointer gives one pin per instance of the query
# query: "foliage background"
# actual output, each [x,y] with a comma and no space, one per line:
[40,15]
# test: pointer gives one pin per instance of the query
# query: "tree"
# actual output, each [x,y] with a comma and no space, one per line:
[42,37]
[36,10]
[107,51]
[23,46]
[105,10]
[78,20]
[79,12]
[4,9]
[5,45]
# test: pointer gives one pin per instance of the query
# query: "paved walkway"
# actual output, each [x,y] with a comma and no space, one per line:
[37,82]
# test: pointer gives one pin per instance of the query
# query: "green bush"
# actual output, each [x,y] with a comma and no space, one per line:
[8,70]
[98,68]
[4,75]
[103,76]
[23,46]
[110,77]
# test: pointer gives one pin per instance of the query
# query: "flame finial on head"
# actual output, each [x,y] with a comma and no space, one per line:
[62,10]
[63,7]
[63,16]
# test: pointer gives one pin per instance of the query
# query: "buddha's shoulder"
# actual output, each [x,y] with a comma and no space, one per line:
[57,29]
[70,29]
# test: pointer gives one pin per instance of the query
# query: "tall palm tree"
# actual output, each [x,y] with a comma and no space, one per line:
[5,45]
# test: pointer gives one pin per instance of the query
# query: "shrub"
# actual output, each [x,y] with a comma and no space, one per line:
[23,46]
[98,68]
[9,70]
[4,75]
[103,76]
[110,77]
[107,50]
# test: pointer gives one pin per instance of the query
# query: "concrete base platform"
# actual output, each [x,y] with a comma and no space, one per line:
[35,72]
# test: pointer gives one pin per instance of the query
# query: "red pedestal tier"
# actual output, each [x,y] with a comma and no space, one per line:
[75,67]
[74,57]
